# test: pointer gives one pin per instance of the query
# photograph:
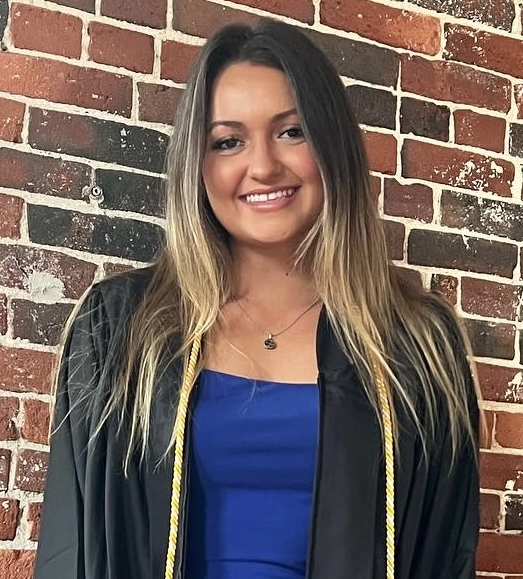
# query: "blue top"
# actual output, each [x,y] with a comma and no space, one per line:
[253,458]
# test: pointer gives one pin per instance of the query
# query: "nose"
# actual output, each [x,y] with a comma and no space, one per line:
[264,163]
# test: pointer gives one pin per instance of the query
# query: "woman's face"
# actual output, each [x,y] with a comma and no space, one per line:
[261,178]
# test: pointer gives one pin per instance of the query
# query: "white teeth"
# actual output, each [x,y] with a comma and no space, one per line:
[263,197]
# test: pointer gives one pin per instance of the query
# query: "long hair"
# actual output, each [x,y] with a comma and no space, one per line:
[374,314]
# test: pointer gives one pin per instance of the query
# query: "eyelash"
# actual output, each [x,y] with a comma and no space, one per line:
[219,144]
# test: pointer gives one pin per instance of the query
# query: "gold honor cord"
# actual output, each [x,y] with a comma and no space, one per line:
[179,427]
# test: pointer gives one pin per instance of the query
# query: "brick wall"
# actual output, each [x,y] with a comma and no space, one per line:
[87,92]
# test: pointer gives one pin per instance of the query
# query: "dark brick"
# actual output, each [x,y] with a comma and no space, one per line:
[152,13]
[490,299]
[116,268]
[490,339]
[489,511]
[514,513]
[359,60]
[452,251]
[45,175]
[131,192]
[98,139]
[3,314]
[516,140]
[9,515]
[158,103]
[424,118]
[446,285]
[39,323]
[395,234]
[31,470]
[413,201]
[373,106]
[487,216]
[85,5]
[98,234]
[4,14]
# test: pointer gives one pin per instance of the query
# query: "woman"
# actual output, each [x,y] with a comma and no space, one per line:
[317,362]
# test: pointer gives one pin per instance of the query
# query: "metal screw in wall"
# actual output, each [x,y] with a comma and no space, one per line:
[93,193]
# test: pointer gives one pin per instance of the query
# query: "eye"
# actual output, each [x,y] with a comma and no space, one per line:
[293,133]
[226,144]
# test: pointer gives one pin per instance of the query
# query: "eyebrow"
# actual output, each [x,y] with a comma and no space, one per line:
[238,124]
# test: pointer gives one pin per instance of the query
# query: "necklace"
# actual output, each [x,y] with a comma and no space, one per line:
[270,343]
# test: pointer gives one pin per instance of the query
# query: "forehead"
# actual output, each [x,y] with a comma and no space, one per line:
[246,89]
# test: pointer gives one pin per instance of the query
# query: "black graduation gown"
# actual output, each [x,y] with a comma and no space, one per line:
[97,524]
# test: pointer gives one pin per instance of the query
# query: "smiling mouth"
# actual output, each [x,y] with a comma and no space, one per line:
[271,196]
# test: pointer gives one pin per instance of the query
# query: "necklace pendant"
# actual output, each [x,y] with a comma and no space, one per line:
[270,343]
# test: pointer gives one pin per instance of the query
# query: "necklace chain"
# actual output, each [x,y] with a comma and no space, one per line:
[270,343]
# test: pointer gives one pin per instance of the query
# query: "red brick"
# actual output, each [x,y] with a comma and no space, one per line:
[85,5]
[3,314]
[490,299]
[384,24]
[16,564]
[298,9]
[412,201]
[499,53]
[395,234]
[177,60]
[411,276]
[499,553]
[9,513]
[479,130]
[499,471]
[11,215]
[490,507]
[31,470]
[27,267]
[486,433]
[36,421]
[26,370]
[509,429]
[501,383]
[457,168]
[11,120]
[119,47]
[158,102]
[152,13]
[446,285]
[9,409]
[34,514]
[47,31]
[65,83]
[458,83]
[381,151]
[518,94]
[201,18]
[5,468]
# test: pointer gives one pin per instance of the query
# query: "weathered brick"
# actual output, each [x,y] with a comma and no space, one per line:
[490,508]
[395,234]
[177,60]
[424,118]
[514,513]
[458,83]
[26,370]
[115,268]
[65,83]
[491,339]
[31,469]
[34,514]
[5,468]
[498,13]
[516,140]
[298,9]
[413,201]
[499,553]
[3,314]
[490,299]
[9,409]
[500,383]
[98,139]
[36,421]
[85,5]
[16,564]
[46,275]
[158,102]
[152,13]
[456,167]
[499,53]
[385,24]
[452,251]
[131,192]
[4,15]
[488,216]
[381,151]
[45,175]
[49,31]
[518,95]
[120,47]
[509,429]
[11,120]
[500,470]
[446,285]
[98,234]
[9,513]
[373,106]
[11,215]
[39,323]
[478,130]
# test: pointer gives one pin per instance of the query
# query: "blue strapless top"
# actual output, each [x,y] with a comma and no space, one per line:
[253,458]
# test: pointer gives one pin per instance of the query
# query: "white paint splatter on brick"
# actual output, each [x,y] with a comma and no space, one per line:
[45,287]
[514,392]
